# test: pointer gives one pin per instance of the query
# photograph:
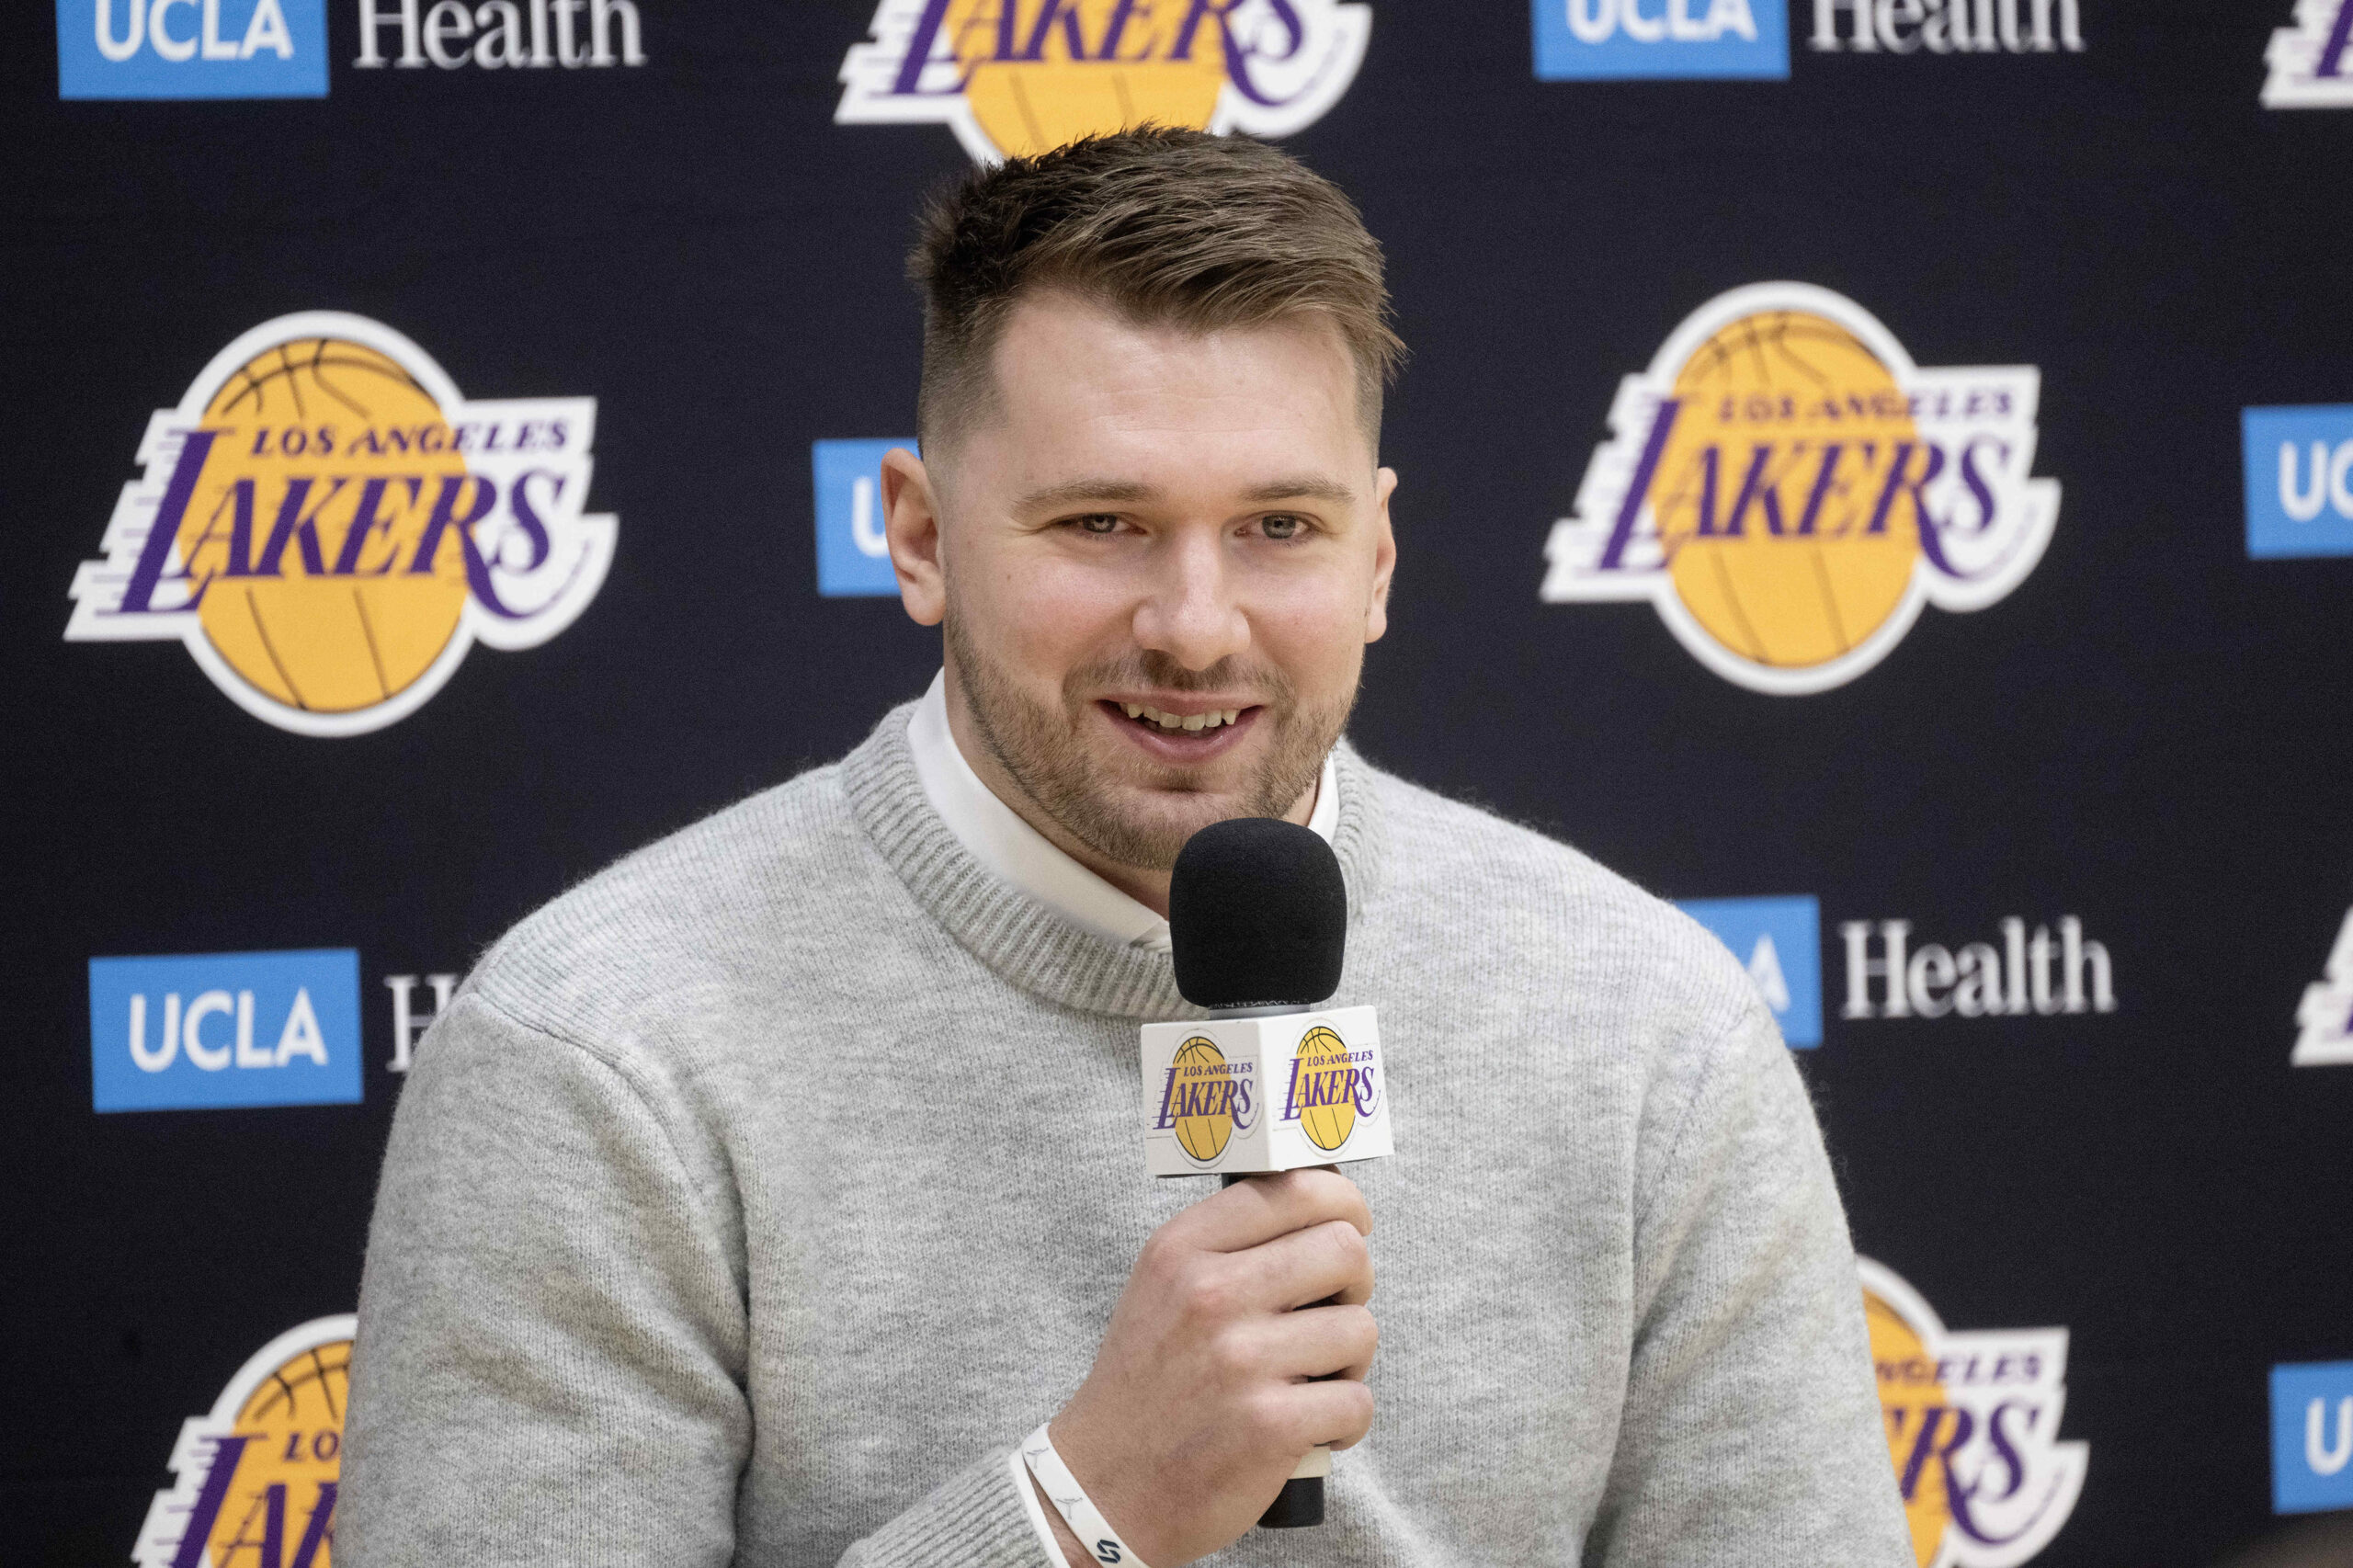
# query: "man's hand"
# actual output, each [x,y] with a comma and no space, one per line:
[1199,1403]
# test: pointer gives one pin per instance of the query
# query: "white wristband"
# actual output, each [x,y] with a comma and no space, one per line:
[1070,1500]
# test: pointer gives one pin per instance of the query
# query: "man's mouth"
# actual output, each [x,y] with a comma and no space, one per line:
[1143,712]
[1170,735]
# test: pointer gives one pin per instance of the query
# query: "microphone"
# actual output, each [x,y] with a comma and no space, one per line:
[1269,1080]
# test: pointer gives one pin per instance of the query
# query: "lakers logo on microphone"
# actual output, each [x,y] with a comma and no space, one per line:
[1206,1099]
[1788,490]
[1015,77]
[1275,1093]
[1330,1087]
[327,525]
[257,1476]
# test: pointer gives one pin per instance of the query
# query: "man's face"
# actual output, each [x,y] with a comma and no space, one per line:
[1159,557]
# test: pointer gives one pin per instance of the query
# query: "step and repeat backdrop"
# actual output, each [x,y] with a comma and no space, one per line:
[1879,473]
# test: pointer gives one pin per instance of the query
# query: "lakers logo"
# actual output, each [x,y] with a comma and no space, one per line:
[1330,1087]
[1790,490]
[1206,1099]
[256,1478]
[328,526]
[1973,1427]
[1014,77]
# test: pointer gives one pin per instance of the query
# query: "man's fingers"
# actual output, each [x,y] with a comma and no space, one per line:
[1336,1414]
[1317,1342]
[1330,1261]
[1252,1212]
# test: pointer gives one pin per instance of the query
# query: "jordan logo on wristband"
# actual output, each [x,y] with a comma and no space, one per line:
[1070,1500]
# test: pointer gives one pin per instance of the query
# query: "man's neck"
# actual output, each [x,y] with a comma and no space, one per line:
[1147,885]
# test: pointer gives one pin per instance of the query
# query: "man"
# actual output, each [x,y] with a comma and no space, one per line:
[752,1200]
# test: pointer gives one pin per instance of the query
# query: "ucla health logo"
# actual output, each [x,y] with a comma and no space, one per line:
[1950,27]
[327,525]
[1779,942]
[2307,58]
[2008,976]
[1587,39]
[191,48]
[2298,465]
[260,1471]
[853,556]
[226,1030]
[1015,77]
[1788,490]
[1972,1428]
[2312,1437]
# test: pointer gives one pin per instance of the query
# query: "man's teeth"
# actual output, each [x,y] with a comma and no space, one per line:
[1209,721]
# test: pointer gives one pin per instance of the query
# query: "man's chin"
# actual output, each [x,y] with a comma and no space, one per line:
[1142,829]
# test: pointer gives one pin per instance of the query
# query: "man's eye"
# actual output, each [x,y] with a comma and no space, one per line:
[1099,523]
[1283,527]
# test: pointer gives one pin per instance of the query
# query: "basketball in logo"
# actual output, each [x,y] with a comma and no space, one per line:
[1204,1133]
[303,635]
[1790,490]
[257,1478]
[1908,1393]
[1017,77]
[1322,1066]
[1783,577]
[1055,91]
[327,525]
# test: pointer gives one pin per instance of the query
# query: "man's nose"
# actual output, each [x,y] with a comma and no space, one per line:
[1189,612]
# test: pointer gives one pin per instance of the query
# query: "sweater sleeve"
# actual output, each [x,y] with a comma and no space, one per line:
[551,1362]
[1752,1430]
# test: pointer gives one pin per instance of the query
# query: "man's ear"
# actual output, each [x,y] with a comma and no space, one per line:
[1384,557]
[911,524]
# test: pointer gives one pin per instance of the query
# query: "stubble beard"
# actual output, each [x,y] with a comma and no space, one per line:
[1039,745]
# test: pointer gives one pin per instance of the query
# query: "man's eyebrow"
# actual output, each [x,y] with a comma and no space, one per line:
[1301,487]
[1079,492]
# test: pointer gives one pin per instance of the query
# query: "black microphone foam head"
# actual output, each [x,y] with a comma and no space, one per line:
[1257,915]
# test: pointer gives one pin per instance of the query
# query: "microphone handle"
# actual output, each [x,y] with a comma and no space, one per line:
[1300,1502]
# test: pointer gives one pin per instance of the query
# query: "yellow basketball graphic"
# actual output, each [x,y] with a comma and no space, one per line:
[1322,1072]
[283,1492]
[318,439]
[1908,1394]
[1203,1134]
[1033,88]
[1780,565]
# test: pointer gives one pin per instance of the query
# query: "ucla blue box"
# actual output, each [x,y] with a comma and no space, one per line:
[214,1030]
[2299,481]
[1778,940]
[2312,1437]
[1620,39]
[852,560]
[191,48]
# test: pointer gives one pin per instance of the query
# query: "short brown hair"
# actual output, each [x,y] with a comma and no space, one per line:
[1164,225]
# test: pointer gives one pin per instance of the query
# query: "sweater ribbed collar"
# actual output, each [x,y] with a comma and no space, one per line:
[1026,943]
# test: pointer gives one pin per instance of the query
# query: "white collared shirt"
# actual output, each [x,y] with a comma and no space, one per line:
[1018,853]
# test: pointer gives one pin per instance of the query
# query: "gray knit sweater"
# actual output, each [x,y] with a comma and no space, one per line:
[754,1197]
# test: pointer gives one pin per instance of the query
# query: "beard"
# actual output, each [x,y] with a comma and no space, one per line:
[1143,819]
